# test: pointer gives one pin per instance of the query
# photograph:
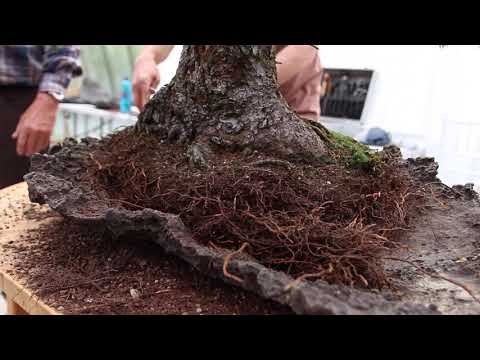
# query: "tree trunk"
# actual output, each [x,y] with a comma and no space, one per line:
[227,97]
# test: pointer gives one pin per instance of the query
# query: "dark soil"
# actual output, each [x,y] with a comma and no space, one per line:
[77,270]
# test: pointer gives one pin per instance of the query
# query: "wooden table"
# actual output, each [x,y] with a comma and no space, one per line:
[14,224]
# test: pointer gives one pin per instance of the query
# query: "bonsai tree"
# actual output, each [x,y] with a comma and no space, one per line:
[219,164]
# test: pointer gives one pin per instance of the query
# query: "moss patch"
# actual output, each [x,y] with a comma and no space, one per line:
[352,153]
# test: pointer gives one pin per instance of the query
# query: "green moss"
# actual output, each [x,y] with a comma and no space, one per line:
[352,152]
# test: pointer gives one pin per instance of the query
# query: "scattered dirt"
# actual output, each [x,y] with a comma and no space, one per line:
[77,270]
[446,242]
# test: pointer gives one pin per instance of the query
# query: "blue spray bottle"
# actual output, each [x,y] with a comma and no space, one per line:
[126,97]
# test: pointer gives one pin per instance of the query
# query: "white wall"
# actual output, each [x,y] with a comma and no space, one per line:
[425,93]
[455,120]
[169,67]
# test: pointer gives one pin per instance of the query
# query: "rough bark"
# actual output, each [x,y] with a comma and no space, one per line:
[227,97]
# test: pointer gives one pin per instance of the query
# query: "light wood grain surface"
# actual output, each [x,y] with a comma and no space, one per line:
[15,223]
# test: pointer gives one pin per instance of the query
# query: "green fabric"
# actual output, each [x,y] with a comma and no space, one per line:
[109,64]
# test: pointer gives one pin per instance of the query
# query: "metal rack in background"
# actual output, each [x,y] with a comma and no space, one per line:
[344,92]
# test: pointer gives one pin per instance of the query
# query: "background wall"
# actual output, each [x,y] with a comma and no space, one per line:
[426,95]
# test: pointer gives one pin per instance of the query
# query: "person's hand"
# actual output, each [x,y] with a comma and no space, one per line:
[145,78]
[36,125]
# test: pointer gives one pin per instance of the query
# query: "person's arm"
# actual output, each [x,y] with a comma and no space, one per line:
[61,63]
[146,75]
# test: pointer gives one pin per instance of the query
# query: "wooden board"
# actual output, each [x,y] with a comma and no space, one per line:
[14,225]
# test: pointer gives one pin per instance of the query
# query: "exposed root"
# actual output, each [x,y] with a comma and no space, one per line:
[100,168]
[227,261]
[307,276]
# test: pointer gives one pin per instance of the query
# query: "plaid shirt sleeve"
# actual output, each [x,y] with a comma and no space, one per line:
[61,63]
